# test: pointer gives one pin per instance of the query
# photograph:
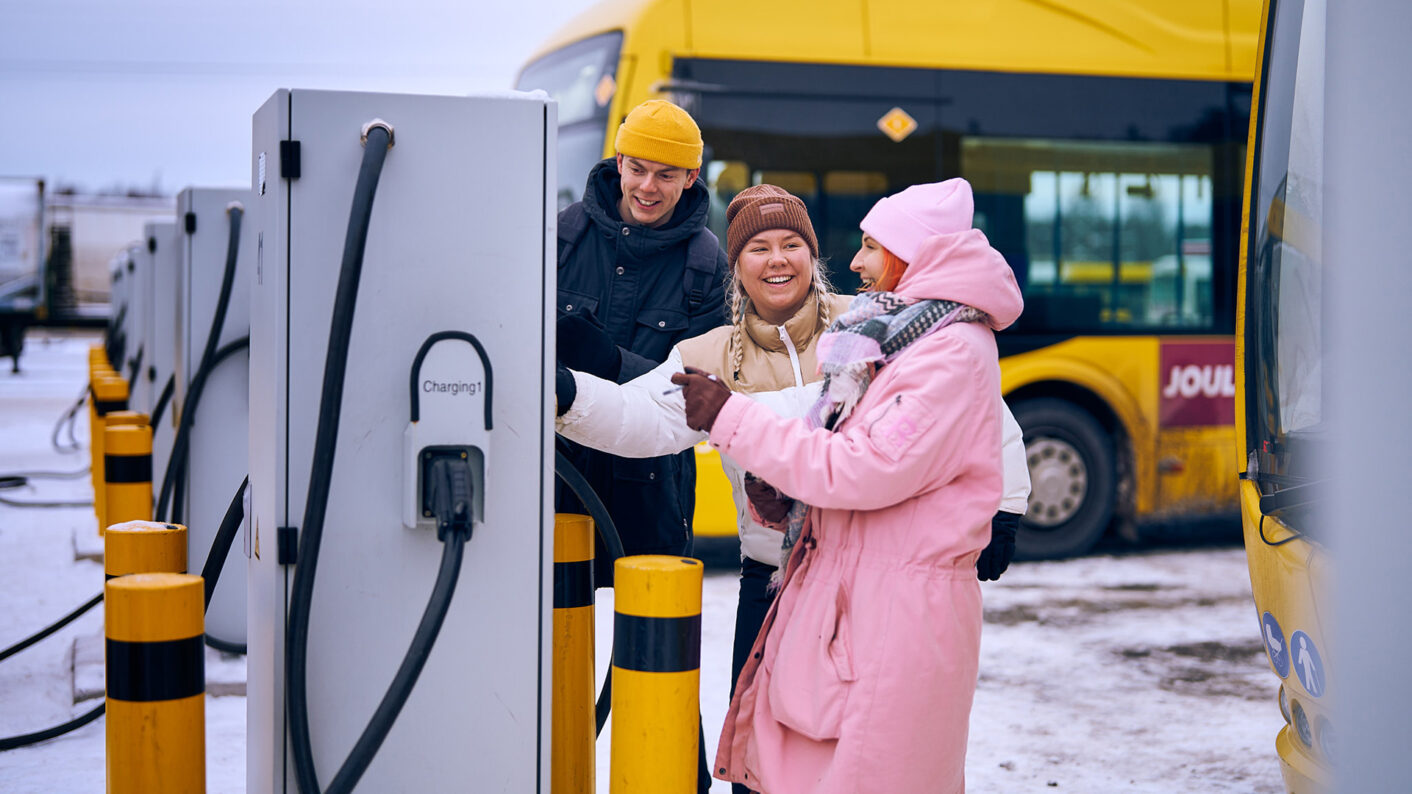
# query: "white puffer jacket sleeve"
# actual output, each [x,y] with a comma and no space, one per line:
[643,418]
[646,417]
[1017,470]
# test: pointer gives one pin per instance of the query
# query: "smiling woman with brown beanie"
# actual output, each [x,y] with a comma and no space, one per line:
[780,302]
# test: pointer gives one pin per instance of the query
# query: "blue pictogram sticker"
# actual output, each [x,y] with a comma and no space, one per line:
[1307,663]
[1275,644]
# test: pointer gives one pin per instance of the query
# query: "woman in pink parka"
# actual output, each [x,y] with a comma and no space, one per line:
[862,677]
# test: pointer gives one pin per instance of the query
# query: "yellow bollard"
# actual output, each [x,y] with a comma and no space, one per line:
[574,725]
[656,674]
[156,683]
[127,469]
[107,393]
[98,362]
[144,547]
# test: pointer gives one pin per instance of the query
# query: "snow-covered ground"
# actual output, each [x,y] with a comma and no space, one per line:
[1135,672]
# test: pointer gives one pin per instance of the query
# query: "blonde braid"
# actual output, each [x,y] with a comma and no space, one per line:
[739,302]
[737,351]
[823,290]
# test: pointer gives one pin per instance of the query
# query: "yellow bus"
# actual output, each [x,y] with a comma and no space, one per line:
[1280,383]
[1105,144]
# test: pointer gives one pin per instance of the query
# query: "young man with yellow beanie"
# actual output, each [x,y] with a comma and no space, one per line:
[638,272]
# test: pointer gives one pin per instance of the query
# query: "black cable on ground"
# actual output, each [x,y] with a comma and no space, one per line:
[20,480]
[232,648]
[12,742]
[51,628]
[376,143]
[68,418]
[220,547]
[42,475]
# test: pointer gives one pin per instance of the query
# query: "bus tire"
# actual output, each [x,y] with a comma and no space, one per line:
[1073,480]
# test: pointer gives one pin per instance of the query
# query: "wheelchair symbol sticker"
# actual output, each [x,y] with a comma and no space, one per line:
[1275,644]
[1307,663]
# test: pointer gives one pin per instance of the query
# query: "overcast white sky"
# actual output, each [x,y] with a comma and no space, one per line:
[105,93]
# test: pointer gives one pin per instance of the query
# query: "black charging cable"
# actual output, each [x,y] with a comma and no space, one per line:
[211,355]
[612,541]
[451,491]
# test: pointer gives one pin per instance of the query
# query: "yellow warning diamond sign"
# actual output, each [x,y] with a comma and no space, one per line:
[896,124]
[604,90]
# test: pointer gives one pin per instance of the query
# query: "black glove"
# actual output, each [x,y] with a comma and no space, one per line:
[768,502]
[705,396]
[996,557]
[587,348]
[565,389]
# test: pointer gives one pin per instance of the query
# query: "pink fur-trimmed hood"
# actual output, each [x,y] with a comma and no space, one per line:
[963,267]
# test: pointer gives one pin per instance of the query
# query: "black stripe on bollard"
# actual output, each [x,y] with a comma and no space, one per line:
[122,469]
[573,584]
[105,407]
[656,645]
[142,672]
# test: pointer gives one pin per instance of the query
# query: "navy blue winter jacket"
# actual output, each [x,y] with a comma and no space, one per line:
[633,280]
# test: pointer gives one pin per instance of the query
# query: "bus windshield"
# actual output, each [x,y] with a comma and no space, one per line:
[1285,292]
[582,78]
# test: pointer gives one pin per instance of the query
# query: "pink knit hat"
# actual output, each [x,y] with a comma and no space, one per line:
[903,220]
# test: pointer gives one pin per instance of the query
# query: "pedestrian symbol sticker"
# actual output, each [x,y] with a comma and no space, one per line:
[897,124]
[1275,644]
[1307,664]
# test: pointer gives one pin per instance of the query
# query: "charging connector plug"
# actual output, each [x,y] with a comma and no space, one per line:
[451,492]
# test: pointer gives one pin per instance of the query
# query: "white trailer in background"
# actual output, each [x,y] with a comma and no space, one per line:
[21,262]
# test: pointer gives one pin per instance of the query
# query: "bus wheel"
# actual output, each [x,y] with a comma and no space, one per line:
[1072,480]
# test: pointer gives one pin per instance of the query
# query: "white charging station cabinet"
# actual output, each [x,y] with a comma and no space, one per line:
[218,438]
[460,244]
[118,299]
[159,331]
[138,302]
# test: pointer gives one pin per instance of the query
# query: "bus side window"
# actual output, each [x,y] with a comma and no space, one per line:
[1102,235]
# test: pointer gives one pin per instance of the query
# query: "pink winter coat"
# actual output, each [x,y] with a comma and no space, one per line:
[862,677]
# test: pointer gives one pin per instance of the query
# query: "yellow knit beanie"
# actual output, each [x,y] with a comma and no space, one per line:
[661,132]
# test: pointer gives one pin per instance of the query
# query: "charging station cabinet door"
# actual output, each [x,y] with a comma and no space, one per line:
[219,438]
[461,239]
[139,342]
[162,248]
[118,299]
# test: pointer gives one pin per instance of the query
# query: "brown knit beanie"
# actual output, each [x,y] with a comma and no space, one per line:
[761,208]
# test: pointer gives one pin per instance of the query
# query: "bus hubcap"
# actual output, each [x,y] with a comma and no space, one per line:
[1058,479]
